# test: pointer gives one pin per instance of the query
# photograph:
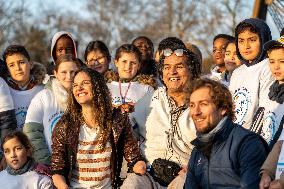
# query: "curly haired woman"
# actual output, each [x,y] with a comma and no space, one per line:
[91,138]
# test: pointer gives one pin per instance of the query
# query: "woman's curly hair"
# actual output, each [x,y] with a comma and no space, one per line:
[101,103]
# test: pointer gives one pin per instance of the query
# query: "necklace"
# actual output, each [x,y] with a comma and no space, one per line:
[120,92]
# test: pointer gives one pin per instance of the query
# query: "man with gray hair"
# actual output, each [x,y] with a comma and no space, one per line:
[163,122]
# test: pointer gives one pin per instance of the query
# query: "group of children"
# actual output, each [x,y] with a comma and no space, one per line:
[33,103]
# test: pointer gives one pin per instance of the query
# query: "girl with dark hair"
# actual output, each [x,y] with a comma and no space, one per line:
[97,57]
[91,138]
[22,171]
[47,107]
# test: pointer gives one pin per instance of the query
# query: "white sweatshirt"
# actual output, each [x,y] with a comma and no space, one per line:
[44,109]
[6,101]
[28,180]
[273,117]
[249,87]
[135,92]
[22,100]
[152,115]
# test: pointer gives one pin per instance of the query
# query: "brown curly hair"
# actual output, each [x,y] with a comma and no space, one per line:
[219,93]
[101,104]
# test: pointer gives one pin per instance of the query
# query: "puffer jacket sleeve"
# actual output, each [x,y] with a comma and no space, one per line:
[35,133]
[59,152]
[8,122]
[252,154]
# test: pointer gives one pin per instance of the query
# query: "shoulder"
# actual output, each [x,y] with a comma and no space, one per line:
[147,80]
[44,94]
[245,137]
[110,76]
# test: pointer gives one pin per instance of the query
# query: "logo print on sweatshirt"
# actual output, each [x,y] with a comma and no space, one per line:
[269,127]
[53,120]
[21,113]
[242,100]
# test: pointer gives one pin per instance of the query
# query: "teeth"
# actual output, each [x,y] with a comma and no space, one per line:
[198,120]
[174,79]
[81,94]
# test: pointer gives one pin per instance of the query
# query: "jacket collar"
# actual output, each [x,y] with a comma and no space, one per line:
[219,137]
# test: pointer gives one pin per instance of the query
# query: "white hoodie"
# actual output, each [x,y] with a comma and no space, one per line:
[55,38]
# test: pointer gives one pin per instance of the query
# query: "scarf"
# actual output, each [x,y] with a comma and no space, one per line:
[206,141]
[175,112]
[276,92]
[28,166]
[31,83]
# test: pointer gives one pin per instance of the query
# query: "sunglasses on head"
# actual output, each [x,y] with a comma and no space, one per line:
[169,52]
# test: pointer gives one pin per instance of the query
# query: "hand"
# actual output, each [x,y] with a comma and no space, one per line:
[59,182]
[183,170]
[275,185]
[140,167]
[265,181]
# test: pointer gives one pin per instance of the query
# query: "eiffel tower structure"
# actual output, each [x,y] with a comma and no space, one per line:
[274,7]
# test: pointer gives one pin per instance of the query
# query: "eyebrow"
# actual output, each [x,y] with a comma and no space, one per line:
[82,81]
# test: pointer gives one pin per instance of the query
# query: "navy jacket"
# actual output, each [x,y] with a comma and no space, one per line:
[235,160]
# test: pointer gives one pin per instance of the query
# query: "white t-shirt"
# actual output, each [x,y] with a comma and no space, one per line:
[45,110]
[249,87]
[28,180]
[22,100]
[6,101]
[134,93]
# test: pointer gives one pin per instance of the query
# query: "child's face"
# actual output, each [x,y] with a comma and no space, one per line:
[96,60]
[231,59]
[19,68]
[65,74]
[249,45]
[219,51]
[276,59]
[15,153]
[144,48]
[64,45]
[127,65]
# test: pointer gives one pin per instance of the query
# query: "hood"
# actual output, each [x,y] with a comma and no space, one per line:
[55,37]
[264,34]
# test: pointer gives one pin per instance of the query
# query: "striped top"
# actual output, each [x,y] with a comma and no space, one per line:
[92,169]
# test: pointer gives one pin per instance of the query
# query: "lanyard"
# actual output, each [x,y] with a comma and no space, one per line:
[123,97]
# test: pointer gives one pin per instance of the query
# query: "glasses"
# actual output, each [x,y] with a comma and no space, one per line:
[100,60]
[169,52]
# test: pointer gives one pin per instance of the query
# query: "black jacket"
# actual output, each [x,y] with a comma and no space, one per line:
[234,162]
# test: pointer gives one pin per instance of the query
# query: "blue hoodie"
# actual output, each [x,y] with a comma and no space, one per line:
[264,34]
